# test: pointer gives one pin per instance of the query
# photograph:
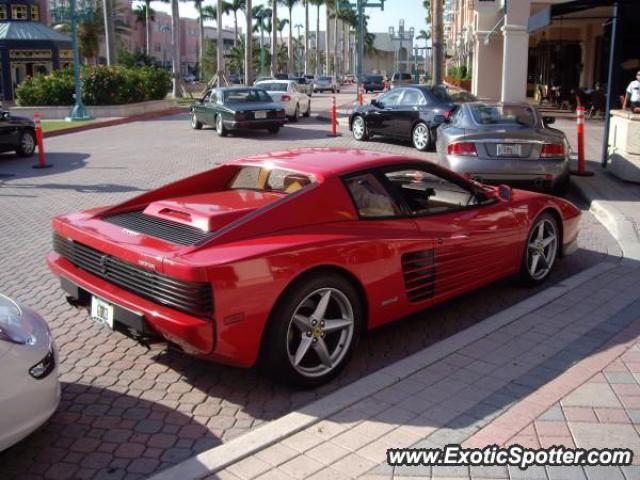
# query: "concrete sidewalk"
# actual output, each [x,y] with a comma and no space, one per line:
[561,368]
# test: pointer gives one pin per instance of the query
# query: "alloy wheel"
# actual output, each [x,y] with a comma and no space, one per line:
[320,332]
[219,124]
[421,136]
[358,128]
[27,143]
[194,121]
[542,247]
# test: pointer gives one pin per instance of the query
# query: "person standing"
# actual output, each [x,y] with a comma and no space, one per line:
[632,96]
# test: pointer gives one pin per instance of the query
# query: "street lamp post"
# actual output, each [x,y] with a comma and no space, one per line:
[401,36]
[74,11]
[359,7]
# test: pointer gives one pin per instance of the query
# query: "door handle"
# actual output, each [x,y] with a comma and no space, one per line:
[439,241]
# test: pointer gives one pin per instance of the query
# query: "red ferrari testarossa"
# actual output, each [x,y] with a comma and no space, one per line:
[288,257]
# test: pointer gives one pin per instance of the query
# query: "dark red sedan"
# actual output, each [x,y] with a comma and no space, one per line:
[284,259]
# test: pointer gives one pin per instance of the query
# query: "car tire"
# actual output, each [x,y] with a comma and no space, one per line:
[359,129]
[273,130]
[220,128]
[195,124]
[26,144]
[307,112]
[421,137]
[296,114]
[543,242]
[291,353]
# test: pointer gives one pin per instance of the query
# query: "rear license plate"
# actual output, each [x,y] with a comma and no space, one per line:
[102,312]
[509,150]
[260,115]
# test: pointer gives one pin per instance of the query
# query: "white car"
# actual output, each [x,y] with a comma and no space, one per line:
[289,93]
[325,83]
[30,391]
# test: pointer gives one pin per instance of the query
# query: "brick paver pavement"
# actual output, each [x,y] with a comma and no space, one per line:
[126,411]
[565,374]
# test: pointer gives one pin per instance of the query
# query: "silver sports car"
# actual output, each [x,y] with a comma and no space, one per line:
[505,143]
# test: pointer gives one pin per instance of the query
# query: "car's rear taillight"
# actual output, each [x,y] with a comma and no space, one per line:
[466,149]
[552,150]
[286,98]
[240,116]
[449,114]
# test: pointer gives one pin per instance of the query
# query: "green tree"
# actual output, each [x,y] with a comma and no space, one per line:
[290,4]
[145,15]
[318,4]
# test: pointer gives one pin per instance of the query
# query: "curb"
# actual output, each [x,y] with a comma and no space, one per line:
[117,121]
[218,458]
[624,229]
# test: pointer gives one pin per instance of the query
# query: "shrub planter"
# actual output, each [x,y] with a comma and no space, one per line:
[106,111]
[464,84]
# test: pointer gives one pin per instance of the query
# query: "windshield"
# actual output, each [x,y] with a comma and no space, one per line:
[503,115]
[325,79]
[374,79]
[273,86]
[253,95]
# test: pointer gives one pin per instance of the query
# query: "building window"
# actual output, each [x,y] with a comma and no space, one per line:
[35,13]
[19,12]
[3,12]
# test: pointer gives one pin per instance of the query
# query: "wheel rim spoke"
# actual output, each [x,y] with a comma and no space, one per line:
[534,263]
[321,309]
[540,232]
[303,323]
[547,241]
[335,325]
[323,354]
[302,350]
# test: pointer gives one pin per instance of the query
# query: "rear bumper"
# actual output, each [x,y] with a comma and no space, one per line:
[241,124]
[513,171]
[192,334]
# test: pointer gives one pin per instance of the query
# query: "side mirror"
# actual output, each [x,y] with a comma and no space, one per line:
[548,120]
[440,119]
[4,115]
[505,192]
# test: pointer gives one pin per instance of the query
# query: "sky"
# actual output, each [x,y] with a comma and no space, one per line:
[411,11]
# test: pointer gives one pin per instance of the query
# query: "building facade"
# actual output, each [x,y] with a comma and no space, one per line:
[512,55]
[27,46]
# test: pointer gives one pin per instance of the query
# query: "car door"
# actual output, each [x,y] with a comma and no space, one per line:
[408,112]
[476,239]
[397,258]
[381,114]
[8,137]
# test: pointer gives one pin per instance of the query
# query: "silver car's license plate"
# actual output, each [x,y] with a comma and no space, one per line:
[509,150]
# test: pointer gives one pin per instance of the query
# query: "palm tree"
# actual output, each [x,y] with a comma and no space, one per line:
[317,3]
[263,17]
[292,60]
[306,37]
[274,38]
[349,19]
[234,6]
[145,15]
[280,26]
[248,52]
[330,4]
[177,51]
[198,5]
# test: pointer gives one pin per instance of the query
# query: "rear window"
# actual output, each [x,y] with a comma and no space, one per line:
[254,95]
[503,115]
[325,79]
[402,76]
[263,179]
[273,86]
[374,79]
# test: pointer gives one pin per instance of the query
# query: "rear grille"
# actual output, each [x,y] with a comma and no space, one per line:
[194,298]
[419,272]
[167,230]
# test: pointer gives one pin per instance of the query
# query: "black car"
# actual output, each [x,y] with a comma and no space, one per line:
[408,113]
[235,108]
[373,83]
[17,134]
